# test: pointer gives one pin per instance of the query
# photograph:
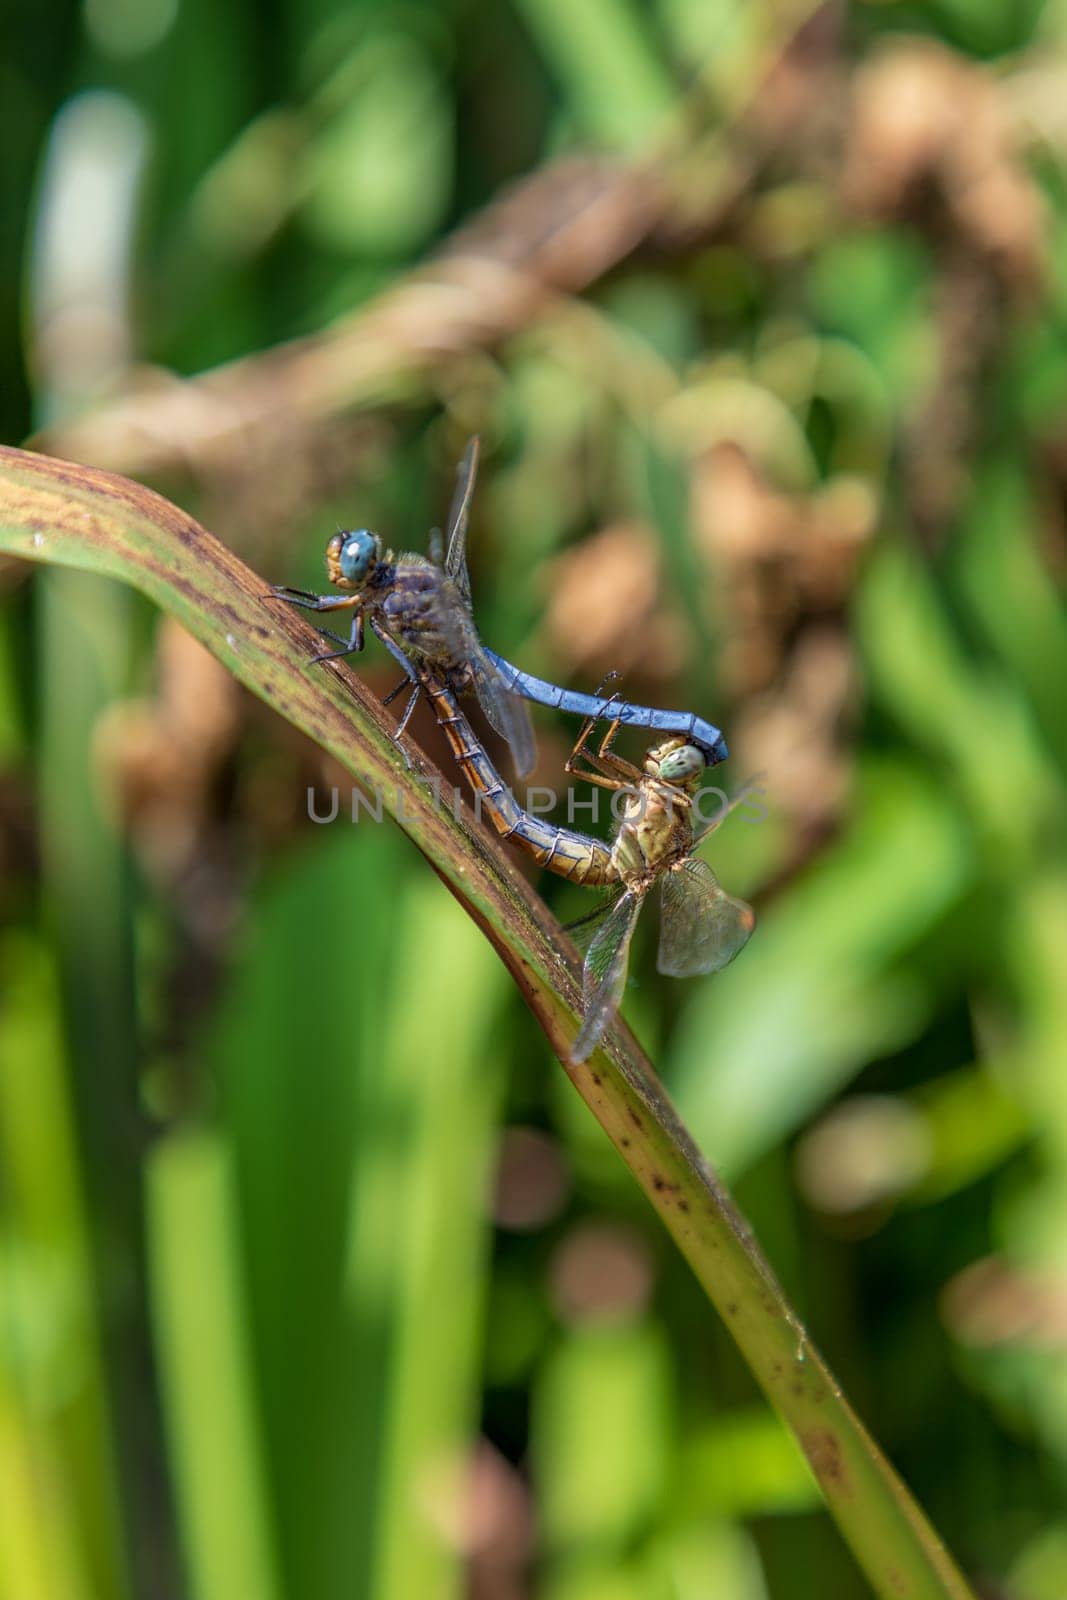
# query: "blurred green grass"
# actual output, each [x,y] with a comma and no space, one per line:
[273,1335]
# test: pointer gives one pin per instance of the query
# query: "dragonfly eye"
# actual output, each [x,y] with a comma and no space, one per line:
[678,765]
[357,554]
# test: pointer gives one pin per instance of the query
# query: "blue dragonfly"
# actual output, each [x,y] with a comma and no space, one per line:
[420,609]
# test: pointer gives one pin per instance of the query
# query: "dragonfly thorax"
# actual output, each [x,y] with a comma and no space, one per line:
[352,557]
[656,828]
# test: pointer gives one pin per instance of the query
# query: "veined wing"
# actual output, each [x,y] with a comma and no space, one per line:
[505,711]
[703,927]
[715,819]
[604,973]
[585,929]
[454,623]
[458,517]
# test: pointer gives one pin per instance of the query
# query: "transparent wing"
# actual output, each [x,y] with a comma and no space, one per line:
[714,817]
[585,929]
[458,517]
[703,927]
[604,973]
[505,711]
[460,650]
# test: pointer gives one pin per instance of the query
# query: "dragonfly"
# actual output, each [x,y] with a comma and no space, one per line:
[420,609]
[702,928]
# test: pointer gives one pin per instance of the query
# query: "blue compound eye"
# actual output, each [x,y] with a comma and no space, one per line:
[359,552]
[680,764]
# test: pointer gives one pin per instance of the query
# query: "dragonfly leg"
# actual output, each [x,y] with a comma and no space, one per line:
[327,602]
[608,741]
[607,760]
[413,700]
[349,646]
[603,768]
[406,666]
[397,734]
[598,693]
[580,743]
[324,633]
[410,676]
[296,597]
[315,602]
[405,683]
[601,781]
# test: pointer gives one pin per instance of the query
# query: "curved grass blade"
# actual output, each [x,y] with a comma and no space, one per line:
[76,516]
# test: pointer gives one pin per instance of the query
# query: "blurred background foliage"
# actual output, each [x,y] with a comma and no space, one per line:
[316,1280]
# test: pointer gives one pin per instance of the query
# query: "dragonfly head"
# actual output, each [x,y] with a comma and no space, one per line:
[676,762]
[352,556]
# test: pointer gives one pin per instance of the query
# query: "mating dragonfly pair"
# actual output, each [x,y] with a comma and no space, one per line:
[421,611]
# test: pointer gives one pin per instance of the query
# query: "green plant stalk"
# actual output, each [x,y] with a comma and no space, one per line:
[60,1530]
[86,899]
[53,511]
[205,1365]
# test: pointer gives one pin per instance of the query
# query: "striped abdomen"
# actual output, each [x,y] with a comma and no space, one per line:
[561,850]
